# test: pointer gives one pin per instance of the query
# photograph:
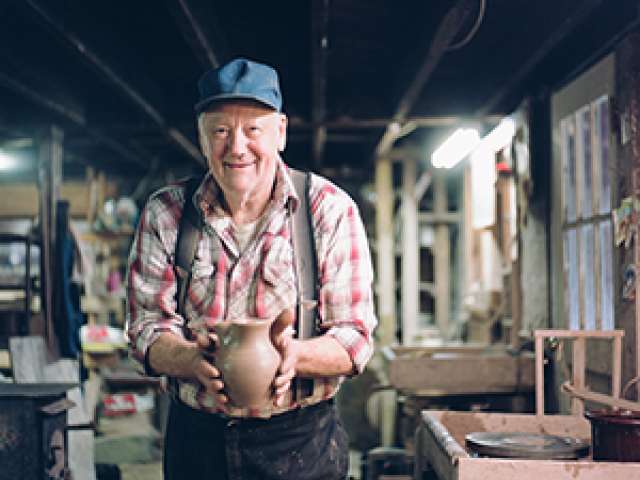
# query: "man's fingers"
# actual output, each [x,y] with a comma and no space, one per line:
[280,391]
[216,386]
[207,342]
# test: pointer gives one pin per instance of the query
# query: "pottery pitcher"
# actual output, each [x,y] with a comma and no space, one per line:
[247,361]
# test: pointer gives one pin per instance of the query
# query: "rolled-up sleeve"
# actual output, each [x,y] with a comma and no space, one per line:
[151,279]
[346,303]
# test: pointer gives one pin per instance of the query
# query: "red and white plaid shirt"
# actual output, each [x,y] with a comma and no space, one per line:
[258,282]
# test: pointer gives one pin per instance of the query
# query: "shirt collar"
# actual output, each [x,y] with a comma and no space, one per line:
[208,195]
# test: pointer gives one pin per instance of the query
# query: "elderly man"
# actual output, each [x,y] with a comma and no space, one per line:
[243,268]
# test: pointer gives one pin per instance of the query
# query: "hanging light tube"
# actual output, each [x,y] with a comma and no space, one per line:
[455,148]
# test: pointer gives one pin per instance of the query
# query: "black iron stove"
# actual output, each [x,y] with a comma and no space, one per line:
[33,439]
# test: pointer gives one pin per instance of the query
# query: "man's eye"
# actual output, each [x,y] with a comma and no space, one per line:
[254,129]
[220,131]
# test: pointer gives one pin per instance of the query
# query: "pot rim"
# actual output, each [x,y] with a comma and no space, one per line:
[620,417]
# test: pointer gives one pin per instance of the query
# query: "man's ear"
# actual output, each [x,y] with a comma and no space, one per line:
[282,129]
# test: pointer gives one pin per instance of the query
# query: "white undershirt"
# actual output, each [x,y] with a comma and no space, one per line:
[244,233]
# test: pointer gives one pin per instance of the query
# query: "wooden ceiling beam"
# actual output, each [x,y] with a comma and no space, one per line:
[552,41]
[349,123]
[319,48]
[69,113]
[115,79]
[188,16]
[446,32]
[38,97]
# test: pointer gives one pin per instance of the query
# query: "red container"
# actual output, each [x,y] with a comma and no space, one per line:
[615,435]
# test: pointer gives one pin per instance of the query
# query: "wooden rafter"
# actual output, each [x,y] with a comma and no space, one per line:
[69,113]
[446,32]
[190,21]
[117,80]
[319,47]
[552,41]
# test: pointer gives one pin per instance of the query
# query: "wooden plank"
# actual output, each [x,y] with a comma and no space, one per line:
[578,373]
[509,469]
[462,374]
[5,360]
[462,349]
[385,267]
[20,200]
[442,254]
[579,333]
[410,269]
[616,369]
[539,353]
[28,357]
[431,450]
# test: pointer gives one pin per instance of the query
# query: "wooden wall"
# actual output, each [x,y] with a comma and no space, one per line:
[627,108]
[20,200]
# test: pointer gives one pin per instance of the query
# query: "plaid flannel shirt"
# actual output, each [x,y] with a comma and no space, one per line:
[258,282]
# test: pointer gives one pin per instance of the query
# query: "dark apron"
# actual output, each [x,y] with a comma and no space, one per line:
[303,444]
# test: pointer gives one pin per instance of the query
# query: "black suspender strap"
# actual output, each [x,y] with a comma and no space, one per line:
[306,270]
[188,235]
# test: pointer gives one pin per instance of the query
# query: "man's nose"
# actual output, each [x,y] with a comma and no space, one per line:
[238,143]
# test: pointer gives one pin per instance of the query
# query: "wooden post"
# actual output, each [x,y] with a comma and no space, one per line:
[92,206]
[442,254]
[410,264]
[385,253]
[49,179]
[539,352]
[616,369]
[578,373]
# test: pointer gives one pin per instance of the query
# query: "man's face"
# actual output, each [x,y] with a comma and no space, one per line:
[241,141]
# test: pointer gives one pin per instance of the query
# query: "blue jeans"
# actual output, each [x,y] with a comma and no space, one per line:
[303,444]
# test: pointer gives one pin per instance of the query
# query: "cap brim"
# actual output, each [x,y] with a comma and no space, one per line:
[207,102]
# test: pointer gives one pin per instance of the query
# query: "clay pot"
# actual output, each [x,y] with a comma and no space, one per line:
[247,361]
[615,435]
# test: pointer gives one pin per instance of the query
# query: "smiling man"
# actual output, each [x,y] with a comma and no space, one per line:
[243,268]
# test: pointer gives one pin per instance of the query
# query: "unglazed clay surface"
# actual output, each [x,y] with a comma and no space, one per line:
[247,360]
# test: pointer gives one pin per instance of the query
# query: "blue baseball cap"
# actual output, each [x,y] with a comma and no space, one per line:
[240,79]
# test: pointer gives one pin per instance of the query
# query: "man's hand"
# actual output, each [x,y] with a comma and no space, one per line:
[204,366]
[287,346]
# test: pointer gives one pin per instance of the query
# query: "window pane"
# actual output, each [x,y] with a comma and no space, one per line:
[601,113]
[587,273]
[584,164]
[572,297]
[606,275]
[568,153]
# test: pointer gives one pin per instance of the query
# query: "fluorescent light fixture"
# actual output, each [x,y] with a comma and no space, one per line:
[7,162]
[500,136]
[455,148]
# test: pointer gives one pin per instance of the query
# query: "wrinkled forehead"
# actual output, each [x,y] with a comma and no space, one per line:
[240,109]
